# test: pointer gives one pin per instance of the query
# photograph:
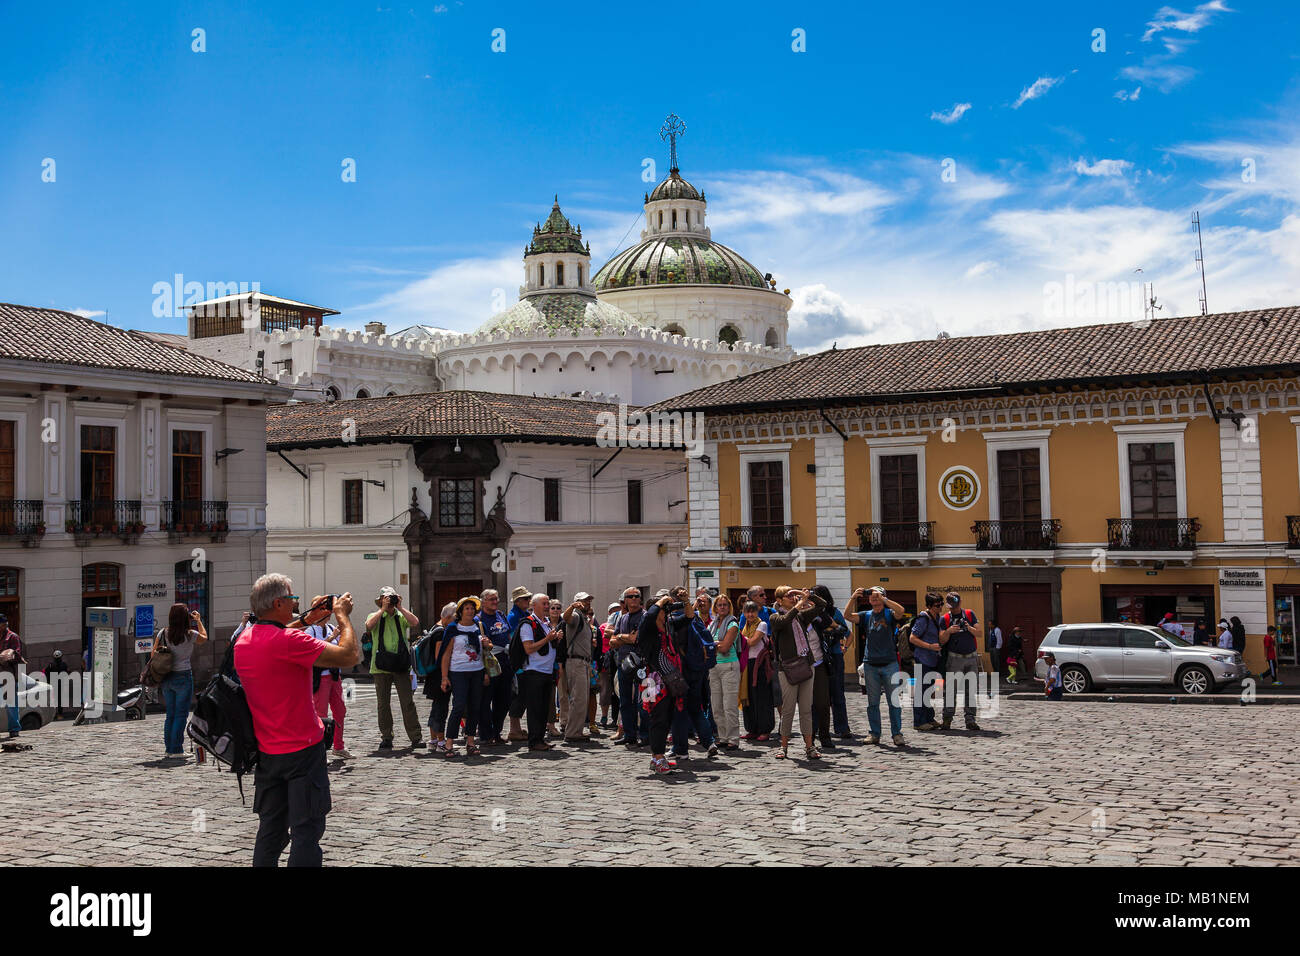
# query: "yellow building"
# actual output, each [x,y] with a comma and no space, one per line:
[1070,475]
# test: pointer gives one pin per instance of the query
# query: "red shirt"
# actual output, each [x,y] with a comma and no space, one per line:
[1270,649]
[274,665]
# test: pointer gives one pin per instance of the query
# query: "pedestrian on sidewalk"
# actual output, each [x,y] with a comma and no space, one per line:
[11,656]
[184,632]
[578,642]
[1015,645]
[924,638]
[537,682]
[389,628]
[433,647]
[463,675]
[1270,654]
[724,682]
[959,633]
[1052,685]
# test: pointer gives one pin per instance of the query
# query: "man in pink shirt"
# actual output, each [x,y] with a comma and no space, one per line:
[274,663]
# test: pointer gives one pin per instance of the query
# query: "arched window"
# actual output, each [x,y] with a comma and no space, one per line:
[541,274]
[332,393]
[661,218]
[559,273]
[674,329]
[579,275]
[390,393]
[772,338]
[728,334]
[363,393]
[674,218]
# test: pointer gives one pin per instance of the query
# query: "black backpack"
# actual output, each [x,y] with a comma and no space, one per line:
[222,724]
[515,649]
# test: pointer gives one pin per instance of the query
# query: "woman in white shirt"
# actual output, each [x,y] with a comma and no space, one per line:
[463,675]
[1225,635]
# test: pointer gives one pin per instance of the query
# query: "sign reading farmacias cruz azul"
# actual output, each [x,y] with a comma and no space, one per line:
[959,487]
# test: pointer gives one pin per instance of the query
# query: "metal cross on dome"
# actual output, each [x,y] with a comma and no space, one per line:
[672,128]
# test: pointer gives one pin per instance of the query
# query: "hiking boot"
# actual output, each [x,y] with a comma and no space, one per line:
[928,725]
[899,741]
[385,745]
[971,725]
[713,750]
[874,738]
[947,724]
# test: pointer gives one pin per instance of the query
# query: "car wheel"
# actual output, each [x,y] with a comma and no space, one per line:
[1075,680]
[31,722]
[1195,680]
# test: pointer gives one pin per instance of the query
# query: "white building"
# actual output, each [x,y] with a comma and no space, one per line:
[131,474]
[445,494]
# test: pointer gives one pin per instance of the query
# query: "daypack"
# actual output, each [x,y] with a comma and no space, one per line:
[515,649]
[222,724]
[904,639]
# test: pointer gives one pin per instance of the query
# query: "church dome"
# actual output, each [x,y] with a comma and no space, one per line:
[550,313]
[557,234]
[677,259]
[674,187]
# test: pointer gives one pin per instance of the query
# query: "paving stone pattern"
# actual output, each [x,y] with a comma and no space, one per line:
[1043,783]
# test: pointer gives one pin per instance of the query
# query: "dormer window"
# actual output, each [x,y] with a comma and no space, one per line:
[559,273]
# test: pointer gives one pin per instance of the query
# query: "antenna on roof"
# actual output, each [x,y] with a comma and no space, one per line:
[1200,258]
[1149,305]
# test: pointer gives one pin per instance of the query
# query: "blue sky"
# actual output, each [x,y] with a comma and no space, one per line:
[1071,168]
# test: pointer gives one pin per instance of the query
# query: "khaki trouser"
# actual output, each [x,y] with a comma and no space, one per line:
[724,685]
[959,665]
[577,686]
[792,696]
[384,684]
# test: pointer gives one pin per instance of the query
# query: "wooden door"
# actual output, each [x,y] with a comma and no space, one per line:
[449,592]
[1030,607]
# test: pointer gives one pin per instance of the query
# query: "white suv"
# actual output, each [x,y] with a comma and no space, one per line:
[1091,655]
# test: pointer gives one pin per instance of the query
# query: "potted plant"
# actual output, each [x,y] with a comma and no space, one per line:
[40,529]
[97,529]
[69,526]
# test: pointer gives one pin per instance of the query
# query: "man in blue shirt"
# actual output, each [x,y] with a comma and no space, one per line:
[496,696]
[925,652]
[636,720]
[880,659]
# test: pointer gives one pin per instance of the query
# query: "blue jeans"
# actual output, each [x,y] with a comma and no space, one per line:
[692,716]
[177,691]
[15,722]
[882,677]
[636,720]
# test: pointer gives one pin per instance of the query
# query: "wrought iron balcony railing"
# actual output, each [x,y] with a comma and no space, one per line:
[759,539]
[21,517]
[194,517]
[1152,534]
[896,536]
[106,516]
[1036,535]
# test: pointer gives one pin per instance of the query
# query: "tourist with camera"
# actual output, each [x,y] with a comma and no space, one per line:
[635,719]
[880,668]
[274,663]
[537,682]
[789,622]
[496,698]
[327,689]
[959,632]
[390,665]
[662,687]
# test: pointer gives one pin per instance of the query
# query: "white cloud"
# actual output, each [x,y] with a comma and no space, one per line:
[1036,89]
[1163,76]
[1127,96]
[460,295]
[88,313]
[952,115]
[1168,19]
[1102,167]
[771,198]
[981,269]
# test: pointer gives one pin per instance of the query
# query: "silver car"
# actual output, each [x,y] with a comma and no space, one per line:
[1092,655]
[35,708]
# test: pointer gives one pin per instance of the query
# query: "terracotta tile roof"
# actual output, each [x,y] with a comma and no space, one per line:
[464,414]
[60,338]
[1174,348]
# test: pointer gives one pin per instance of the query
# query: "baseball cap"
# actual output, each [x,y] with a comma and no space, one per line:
[582,596]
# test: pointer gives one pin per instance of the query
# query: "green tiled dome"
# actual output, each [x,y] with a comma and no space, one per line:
[674,187]
[548,313]
[677,259]
[557,234]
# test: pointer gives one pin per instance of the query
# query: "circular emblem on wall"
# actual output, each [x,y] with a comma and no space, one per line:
[959,487]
